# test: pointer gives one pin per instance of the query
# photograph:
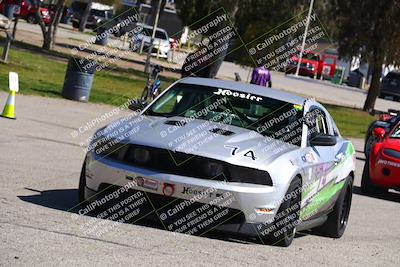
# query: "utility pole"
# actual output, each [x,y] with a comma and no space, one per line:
[304,37]
[147,66]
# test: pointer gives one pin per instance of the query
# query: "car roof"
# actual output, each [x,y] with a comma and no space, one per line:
[150,27]
[247,88]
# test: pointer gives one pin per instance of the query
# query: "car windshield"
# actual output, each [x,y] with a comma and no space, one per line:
[99,13]
[159,34]
[329,60]
[270,117]
[310,56]
[396,133]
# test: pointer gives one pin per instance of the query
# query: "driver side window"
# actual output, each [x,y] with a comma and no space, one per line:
[319,123]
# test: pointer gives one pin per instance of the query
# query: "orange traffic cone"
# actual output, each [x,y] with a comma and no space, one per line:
[9,108]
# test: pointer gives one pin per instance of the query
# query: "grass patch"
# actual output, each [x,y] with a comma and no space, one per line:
[351,122]
[42,73]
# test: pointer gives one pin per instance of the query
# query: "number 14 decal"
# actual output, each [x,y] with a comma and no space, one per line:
[234,149]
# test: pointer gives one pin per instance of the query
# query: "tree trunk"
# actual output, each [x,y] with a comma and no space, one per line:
[212,69]
[39,18]
[49,35]
[85,15]
[56,21]
[47,38]
[374,89]
[14,31]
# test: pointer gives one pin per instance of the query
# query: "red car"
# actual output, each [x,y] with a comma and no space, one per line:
[327,66]
[27,10]
[382,170]
[313,65]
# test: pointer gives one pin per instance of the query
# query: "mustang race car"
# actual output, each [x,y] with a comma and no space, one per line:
[209,154]
[382,170]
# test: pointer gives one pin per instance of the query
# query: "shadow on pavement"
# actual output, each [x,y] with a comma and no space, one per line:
[362,159]
[59,199]
[67,200]
[389,196]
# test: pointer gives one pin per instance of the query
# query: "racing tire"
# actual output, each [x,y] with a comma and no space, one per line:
[367,187]
[145,94]
[337,220]
[284,233]
[368,145]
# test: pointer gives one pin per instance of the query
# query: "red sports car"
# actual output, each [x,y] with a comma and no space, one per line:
[382,170]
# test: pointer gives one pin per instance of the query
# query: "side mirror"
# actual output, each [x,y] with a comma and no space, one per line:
[137,105]
[323,140]
[379,133]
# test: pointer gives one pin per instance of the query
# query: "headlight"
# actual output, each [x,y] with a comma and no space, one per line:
[310,66]
[213,168]
[249,175]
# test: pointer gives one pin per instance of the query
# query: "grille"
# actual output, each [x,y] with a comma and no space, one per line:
[183,164]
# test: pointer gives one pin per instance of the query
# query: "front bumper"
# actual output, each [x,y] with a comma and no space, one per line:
[254,204]
[162,50]
[386,173]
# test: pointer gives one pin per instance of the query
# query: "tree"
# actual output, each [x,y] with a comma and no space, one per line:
[49,31]
[252,18]
[85,16]
[191,11]
[370,29]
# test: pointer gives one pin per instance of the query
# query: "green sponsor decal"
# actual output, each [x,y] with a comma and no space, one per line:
[322,198]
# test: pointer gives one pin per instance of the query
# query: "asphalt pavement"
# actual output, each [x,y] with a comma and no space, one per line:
[40,161]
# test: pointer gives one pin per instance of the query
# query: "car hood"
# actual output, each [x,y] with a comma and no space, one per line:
[232,144]
[392,143]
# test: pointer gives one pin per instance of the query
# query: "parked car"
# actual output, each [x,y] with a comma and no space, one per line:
[27,11]
[96,18]
[382,169]
[238,157]
[328,66]
[4,22]
[390,85]
[313,65]
[387,121]
[161,44]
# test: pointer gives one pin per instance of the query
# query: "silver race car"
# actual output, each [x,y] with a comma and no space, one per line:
[210,154]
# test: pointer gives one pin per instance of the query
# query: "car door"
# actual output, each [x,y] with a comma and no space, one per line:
[321,161]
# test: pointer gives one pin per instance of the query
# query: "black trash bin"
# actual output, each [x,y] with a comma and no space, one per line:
[78,79]
[101,36]
[355,78]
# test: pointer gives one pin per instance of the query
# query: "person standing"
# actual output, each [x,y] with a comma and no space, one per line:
[261,76]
